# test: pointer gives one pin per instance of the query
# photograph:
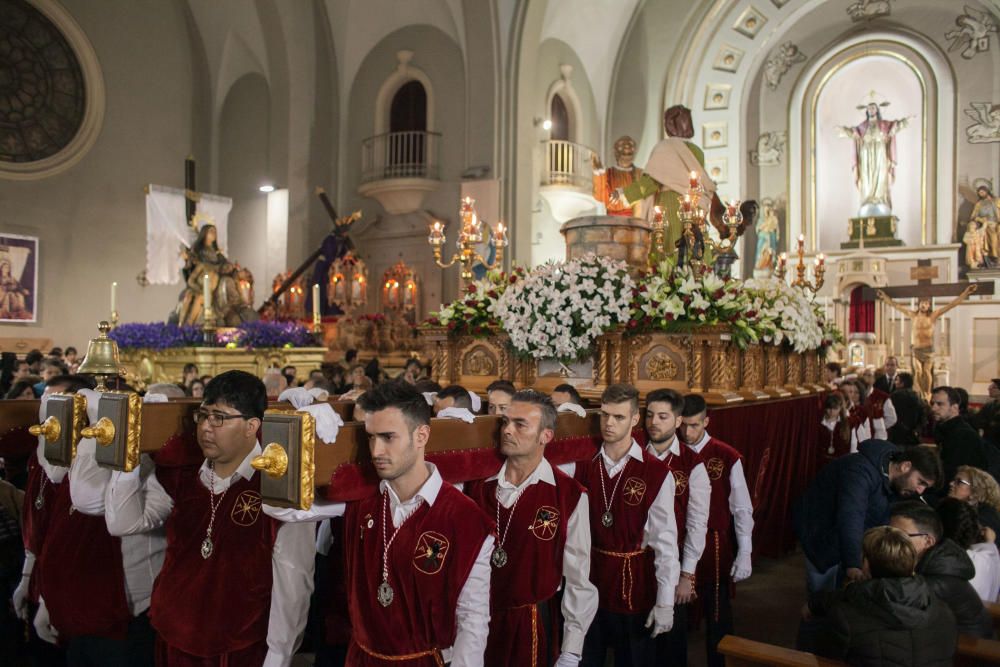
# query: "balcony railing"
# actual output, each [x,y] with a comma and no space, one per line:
[400,155]
[567,163]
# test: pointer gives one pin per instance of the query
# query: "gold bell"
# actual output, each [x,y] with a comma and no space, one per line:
[102,360]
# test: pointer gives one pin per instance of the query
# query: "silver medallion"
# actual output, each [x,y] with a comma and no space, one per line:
[607,520]
[39,501]
[499,557]
[385,594]
[207,547]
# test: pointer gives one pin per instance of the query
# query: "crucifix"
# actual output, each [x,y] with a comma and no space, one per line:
[924,317]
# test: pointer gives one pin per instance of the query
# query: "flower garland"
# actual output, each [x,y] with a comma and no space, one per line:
[474,312]
[163,335]
[784,314]
[676,300]
[559,309]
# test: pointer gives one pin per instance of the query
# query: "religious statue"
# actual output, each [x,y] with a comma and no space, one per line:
[609,184]
[922,321]
[205,258]
[986,212]
[874,162]
[974,240]
[12,294]
[767,238]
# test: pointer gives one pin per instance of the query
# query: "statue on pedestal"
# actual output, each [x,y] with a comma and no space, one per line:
[922,334]
[986,212]
[767,240]
[610,183]
[874,160]
[228,302]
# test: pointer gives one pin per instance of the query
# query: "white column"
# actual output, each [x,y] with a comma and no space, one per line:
[276,255]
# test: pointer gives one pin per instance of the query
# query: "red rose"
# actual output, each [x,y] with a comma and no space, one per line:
[513,279]
[670,317]
[493,294]
[471,303]
[632,324]
[471,289]
[452,325]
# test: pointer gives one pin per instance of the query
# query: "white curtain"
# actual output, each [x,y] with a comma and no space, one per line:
[167,230]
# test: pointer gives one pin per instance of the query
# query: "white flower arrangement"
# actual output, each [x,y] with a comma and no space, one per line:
[560,308]
[783,313]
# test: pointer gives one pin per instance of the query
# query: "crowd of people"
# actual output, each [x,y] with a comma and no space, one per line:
[899,528]
[184,565]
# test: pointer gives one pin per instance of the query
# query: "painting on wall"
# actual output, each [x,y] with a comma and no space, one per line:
[18,278]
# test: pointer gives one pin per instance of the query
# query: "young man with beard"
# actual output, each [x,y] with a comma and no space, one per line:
[235,584]
[634,561]
[692,500]
[543,528]
[416,553]
[730,512]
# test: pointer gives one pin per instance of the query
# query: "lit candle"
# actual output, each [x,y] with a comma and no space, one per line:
[802,241]
[693,178]
[114,297]
[686,204]
[731,208]
[501,235]
[822,259]
[206,289]
[316,317]
[782,258]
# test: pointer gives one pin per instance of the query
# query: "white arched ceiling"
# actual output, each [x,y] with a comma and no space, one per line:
[594,29]
[233,40]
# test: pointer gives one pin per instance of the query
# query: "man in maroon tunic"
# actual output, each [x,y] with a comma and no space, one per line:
[416,553]
[730,511]
[692,500]
[543,527]
[235,584]
[634,561]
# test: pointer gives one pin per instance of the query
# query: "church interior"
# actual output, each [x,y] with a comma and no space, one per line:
[762,190]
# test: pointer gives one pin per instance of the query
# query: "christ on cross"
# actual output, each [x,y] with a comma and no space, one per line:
[922,334]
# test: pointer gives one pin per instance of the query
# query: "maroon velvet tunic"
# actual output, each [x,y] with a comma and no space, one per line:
[718,558]
[35,520]
[681,467]
[535,542]
[80,573]
[621,569]
[219,605]
[429,562]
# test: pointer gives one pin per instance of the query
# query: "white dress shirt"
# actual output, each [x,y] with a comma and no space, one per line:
[699,502]
[472,613]
[142,553]
[986,560]
[580,598]
[740,505]
[660,530]
[135,505]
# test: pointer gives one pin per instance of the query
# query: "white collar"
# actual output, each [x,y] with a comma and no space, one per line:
[635,451]
[698,446]
[541,473]
[674,448]
[428,492]
[244,470]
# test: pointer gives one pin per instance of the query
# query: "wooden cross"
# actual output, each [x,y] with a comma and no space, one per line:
[924,273]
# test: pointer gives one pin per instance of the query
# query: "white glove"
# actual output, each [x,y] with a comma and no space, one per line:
[299,397]
[572,407]
[20,598]
[429,397]
[328,422]
[741,568]
[457,413]
[150,398]
[42,626]
[567,660]
[660,620]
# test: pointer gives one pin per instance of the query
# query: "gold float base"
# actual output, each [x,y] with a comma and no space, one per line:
[145,367]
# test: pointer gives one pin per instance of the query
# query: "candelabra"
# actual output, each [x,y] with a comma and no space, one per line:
[470,235]
[694,234]
[800,280]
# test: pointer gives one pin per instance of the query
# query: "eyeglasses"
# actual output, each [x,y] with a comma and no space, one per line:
[917,534]
[215,419]
[961,481]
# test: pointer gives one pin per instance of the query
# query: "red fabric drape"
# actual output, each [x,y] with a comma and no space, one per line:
[778,443]
[862,313]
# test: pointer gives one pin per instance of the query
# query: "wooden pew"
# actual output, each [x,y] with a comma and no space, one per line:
[742,652]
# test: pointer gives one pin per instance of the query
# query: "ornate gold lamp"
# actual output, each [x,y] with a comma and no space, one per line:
[819,269]
[102,360]
[469,236]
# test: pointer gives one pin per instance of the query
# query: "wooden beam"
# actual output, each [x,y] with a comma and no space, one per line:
[911,291]
[742,652]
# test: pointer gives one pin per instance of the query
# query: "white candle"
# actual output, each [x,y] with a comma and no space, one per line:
[206,292]
[114,297]
[316,302]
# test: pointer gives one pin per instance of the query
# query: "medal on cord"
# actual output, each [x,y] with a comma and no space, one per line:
[207,546]
[40,499]
[499,557]
[385,594]
[607,520]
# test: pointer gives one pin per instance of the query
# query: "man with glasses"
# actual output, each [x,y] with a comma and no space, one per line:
[944,564]
[850,495]
[235,584]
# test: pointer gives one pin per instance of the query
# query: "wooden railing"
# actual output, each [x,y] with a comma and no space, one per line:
[567,163]
[400,155]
